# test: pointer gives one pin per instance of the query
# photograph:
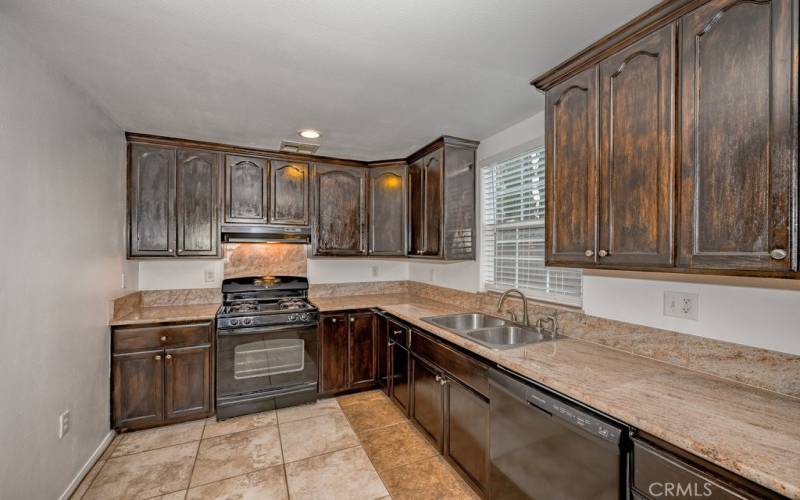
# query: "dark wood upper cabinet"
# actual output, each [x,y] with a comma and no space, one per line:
[288,201]
[637,156]
[246,196]
[571,170]
[433,172]
[187,378]
[387,209]
[197,194]
[340,200]
[151,201]
[416,208]
[739,136]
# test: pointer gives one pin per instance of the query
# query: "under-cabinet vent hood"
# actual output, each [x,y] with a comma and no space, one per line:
[265,234]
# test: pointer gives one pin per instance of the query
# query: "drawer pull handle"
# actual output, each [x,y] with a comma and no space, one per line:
[163,338]
[158,357]
[778,254]
[397,332]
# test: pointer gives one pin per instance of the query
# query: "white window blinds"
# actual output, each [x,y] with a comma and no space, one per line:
[513,232]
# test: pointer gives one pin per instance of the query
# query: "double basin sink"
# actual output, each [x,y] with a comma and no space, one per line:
[494,333]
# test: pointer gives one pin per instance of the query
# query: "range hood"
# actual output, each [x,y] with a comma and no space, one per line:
[265,234]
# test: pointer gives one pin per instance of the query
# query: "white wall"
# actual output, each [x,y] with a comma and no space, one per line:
[62,194]
[356,270]
[168,274]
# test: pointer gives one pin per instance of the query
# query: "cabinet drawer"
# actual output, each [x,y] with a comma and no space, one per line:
[398,333]
[659,473]
[467,370]
[153,337]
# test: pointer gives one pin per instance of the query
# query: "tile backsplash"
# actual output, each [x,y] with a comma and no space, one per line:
[265,259]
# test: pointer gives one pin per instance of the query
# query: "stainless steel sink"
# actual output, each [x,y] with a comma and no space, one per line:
[494,333]
[465,322]
[506,337]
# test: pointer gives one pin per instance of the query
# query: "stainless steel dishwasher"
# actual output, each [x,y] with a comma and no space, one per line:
[546,447]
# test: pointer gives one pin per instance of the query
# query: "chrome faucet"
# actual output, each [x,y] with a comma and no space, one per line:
[524,304]
[553,320]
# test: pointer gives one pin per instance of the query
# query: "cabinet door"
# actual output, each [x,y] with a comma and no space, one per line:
[152,201]
[138,389]
[427,408]
[288,193]
[416,208]
[187,382]
[637,173]
[245,190]
[362,349]
[433,169]
[340,195]
[467,442]
[739,133]
[334,357]
[387,210]
[197,194]
[571,171]
[382,351]
[399,388]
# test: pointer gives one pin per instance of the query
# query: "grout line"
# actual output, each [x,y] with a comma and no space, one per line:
[283,457]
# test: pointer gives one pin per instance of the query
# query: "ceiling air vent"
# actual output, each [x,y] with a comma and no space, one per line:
[298,147]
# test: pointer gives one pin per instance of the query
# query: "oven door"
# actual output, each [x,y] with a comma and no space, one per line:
[251,360]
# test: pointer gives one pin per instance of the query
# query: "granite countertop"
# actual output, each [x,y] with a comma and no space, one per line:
[165,314]
[750,431]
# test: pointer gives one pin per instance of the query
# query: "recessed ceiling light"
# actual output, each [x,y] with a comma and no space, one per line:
[309,133]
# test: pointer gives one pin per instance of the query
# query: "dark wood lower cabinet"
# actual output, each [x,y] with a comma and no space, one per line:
[156,379]
[348,352]
[399,366]
[427,408]
[467,442]
[382,351]
[333,353]
[362,349]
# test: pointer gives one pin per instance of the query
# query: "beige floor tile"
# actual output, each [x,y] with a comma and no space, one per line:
[343,475]
[321,407]
[87,480]
[358,397]
[145,475]
[394,446]
[238,424]
[314,436]
[374,414]
[260,485]
[234,454]
[160,437]
[178,495]
[431,479]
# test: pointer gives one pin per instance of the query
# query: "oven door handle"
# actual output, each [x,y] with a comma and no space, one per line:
[264,329]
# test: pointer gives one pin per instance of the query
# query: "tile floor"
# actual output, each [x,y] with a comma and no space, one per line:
[355,447]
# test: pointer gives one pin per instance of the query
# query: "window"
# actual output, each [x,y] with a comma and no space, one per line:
[513,232]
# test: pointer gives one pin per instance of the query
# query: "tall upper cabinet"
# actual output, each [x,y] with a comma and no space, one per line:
[340,218]
[388,189]
[672,144]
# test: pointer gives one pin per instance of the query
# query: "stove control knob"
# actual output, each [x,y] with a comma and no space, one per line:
[292,317]
[305,317]
[247,321]
[234,322]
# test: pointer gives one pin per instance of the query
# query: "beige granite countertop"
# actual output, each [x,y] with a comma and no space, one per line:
[750,431]
[165,314]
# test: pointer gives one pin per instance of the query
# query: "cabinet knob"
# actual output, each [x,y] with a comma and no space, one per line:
[438,378]
[352,320]
[158,357]
[588,253]
[333,320]
[442,381]
[169,250]
[163,338]
[602,253]
[778,254]
[169,356]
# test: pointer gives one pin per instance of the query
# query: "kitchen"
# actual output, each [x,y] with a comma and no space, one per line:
[461,250]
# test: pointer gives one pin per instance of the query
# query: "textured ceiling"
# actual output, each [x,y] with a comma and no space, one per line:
[378,78]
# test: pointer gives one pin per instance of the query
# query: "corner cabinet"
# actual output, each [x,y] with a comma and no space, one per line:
[388,189]
[340,219]
[173,202]
[441,200]
[652,164]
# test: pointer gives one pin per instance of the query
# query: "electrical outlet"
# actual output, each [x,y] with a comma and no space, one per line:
[209,276]
[63,424]
[122,281]
[375,271]
[431,275]
[681,305]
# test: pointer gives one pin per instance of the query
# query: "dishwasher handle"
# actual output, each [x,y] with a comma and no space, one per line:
[550,403]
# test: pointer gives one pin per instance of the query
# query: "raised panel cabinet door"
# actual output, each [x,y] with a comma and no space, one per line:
[187,381]
[340,195]
[467,441]
[387,210]
[427,408]
[246,196]
[138,388]
[571,171]
[197,203]
[637,156]
[334,353]
[288,199]
[382,351]
[739,135]
[416,208]
[399,386]
[433,168]
[152,201]
[362,349]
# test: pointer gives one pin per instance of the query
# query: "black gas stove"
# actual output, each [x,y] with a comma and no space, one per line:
[266,345]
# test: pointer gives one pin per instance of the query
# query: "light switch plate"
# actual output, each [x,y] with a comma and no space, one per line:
[681,305]
[209,276]
[63,424]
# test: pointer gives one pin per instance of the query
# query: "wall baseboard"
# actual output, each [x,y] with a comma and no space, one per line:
[98,452]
